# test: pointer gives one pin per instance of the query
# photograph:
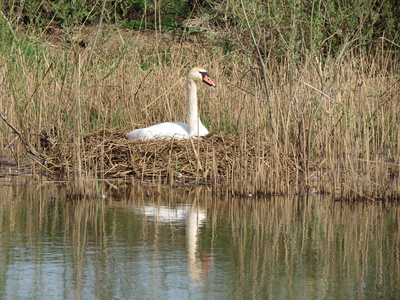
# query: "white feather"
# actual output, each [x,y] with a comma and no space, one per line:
[178,130]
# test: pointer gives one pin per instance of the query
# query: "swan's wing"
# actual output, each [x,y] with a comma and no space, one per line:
[165,130]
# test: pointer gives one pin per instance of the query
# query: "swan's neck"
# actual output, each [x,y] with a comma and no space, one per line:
[193,120]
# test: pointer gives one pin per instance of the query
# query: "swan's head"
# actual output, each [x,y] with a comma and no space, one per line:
[199,74]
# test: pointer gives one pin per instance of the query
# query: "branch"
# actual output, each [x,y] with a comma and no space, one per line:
[28,145]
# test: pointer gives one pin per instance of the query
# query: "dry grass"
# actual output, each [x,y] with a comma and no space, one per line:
[328,125]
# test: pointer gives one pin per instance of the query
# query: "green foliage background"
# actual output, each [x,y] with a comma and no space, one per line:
[317,25]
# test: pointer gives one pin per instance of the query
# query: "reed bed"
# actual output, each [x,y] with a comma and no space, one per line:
[323,123]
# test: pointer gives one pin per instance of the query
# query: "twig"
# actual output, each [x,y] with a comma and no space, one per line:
[319,91]
[140,84]
[28,145]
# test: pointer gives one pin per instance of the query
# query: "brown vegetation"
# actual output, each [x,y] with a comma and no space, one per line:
[214,159]
[330,125]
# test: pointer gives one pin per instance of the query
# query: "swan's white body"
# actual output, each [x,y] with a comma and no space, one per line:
[179,130]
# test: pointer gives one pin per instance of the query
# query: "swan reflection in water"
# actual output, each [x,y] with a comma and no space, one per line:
[193,217]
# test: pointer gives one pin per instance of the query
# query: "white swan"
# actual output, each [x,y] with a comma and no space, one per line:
[179,130]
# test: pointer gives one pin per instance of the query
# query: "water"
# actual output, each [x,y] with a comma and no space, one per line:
[141,243]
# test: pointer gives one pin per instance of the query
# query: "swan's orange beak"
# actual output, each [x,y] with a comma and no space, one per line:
[207,80]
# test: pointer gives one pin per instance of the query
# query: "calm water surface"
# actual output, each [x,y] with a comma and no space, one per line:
[142,243]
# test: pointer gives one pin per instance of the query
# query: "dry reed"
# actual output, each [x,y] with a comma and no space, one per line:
[328,126]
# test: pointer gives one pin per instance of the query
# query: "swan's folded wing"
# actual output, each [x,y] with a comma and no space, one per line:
[165,130]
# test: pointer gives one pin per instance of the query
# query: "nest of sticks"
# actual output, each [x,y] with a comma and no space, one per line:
[237,161]
[108,154]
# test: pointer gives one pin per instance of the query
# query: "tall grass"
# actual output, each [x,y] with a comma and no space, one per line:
[326,110]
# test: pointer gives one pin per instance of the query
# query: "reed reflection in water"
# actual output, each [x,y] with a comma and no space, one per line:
[190,243]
